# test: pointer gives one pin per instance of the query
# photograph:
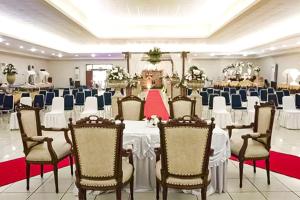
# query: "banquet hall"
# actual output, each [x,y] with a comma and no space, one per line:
[161,99]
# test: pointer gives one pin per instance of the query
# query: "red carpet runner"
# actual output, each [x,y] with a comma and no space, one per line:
[15,170]
[155,106]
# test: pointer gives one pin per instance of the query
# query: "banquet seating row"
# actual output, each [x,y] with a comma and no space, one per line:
[104,169]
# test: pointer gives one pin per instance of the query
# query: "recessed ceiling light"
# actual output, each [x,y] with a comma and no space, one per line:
[212,54]
[42,51]
[93,55]
[1,39]
[59,55]
[284,45]
[272,48]
[298,42]
[245,54]
[21,47]
[33,49]
[53,54]
[7,44]
[76,55]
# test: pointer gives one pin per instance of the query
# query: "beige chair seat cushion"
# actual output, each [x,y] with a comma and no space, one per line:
[41,153]
[180,181]
[127,174]
[254,149]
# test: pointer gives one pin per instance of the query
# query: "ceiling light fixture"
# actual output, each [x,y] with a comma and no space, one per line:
[76,55]
[245,54]
[21,47]
[284,45]
[53,54]
[42,51]
[33,49]
[93,55]
[59,55]
[212,54]
[1,39]
[272,48]
[109,54]
[7,44]
[298,42]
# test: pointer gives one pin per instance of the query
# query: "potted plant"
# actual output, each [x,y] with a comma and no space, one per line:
[154,55]
[195,78]
[10,71]
[117,79]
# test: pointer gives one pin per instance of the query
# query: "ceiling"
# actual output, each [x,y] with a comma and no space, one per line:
[73,29]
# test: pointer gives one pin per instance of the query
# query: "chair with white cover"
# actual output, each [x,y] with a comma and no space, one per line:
[181,106]
[290,117]
[252,101]
[184,166]
[90,107]
[257,144]
[103,169]
[13,122]
[42,145]
[56,117]
[221,115]
[131,108]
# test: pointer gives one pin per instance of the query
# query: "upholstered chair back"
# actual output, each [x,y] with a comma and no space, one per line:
[131,108]
[181,106]
[97,148]
[185,147]
[28,122]
[264,118]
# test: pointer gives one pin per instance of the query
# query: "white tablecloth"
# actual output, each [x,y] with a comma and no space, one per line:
[145,138]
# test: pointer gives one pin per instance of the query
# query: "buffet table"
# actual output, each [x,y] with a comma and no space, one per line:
[144,139]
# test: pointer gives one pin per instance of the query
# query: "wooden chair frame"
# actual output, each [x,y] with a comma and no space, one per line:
[181,98]
[130,98]
[54,159]
[161,153]
[96,122]
[241,156]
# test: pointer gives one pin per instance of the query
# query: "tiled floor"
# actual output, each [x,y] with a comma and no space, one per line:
[254,185]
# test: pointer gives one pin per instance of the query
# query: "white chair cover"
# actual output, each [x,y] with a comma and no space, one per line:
[56,117]
[13,122]
[290,117]
[250,108]
[90,107]
[221,115]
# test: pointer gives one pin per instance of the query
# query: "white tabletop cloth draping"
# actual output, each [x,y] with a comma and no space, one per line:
[221,115]
[144,139]
[56,117]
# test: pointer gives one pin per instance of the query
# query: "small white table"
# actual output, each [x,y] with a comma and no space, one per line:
[144,139]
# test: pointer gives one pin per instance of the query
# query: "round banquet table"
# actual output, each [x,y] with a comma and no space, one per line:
[144,139]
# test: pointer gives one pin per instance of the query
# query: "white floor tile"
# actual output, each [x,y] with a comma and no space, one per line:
[280,195]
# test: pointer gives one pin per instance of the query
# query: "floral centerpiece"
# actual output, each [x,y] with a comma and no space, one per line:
[195,79]
[133,82]
[117,79]
[152,121]
[154,55]
[240,68]
[10,71]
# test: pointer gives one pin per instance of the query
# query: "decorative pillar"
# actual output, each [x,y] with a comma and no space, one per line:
[183,56]
[127,57]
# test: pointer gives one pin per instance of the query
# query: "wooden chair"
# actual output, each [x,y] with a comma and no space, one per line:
[42,145]
[98,154]
[181,106]
[254,146]
[131,108]
[184,166]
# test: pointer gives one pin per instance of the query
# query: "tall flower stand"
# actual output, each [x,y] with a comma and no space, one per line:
[176,91]
[117,86]
[194,85]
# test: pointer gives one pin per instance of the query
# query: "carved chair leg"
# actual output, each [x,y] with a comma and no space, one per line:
[118,193]
[55,170]
[165,193]
[254,166]
[241,166]
[203,193]
[157,189]
[81,194]
[268,170]
[131,188]
[71,164]
[27,175]
[42,170]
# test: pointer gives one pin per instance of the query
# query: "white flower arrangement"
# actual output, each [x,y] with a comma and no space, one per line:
[9,69]
[256,69]
[117,73]
[153,121]
[196,74]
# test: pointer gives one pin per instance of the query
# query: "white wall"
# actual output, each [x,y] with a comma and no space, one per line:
[284,62]
[62,70]
[21,63]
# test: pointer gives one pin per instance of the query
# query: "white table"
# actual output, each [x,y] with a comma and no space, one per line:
[144,139]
